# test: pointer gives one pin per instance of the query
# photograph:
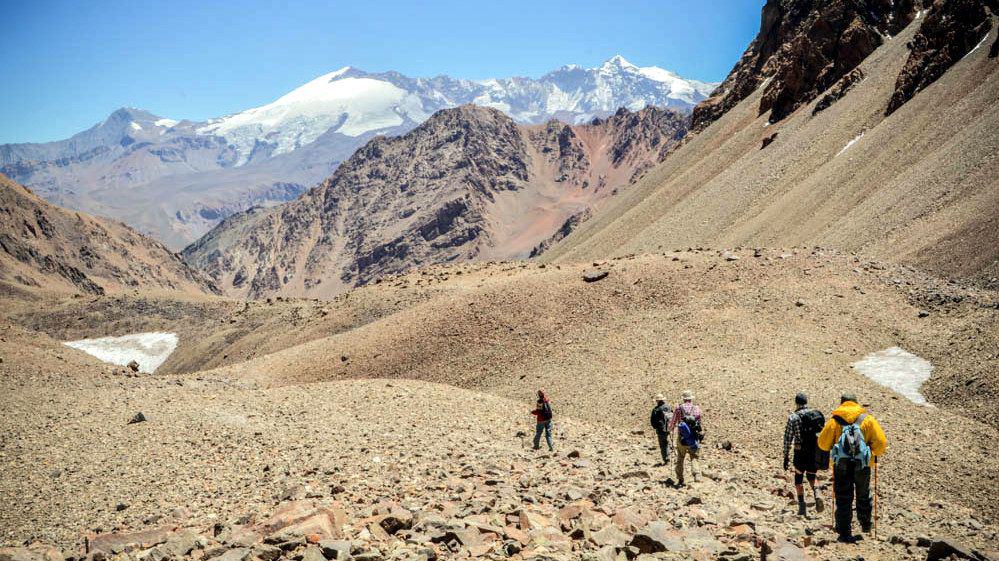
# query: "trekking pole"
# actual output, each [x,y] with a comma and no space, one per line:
[832,481]
[875,497]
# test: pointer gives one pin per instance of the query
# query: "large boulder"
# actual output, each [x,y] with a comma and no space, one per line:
[657,537]
[128,541]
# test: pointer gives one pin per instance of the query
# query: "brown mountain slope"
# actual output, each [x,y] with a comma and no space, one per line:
[468,183]
[48,248]
[920,186]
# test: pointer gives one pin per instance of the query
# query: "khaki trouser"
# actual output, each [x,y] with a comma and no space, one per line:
[681,452]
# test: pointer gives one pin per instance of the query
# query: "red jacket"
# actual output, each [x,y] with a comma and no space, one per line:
[539,411]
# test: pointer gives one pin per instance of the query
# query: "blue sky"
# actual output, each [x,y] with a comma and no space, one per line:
[66,65]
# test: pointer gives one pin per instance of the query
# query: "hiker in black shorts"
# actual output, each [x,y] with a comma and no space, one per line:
[802,431]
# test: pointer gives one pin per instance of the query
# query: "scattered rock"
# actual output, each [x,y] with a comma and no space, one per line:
[137,418]
[950,549]
[594,275]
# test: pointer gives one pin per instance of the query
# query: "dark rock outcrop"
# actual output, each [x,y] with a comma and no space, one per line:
[803,48]
[951,29]
[839,89]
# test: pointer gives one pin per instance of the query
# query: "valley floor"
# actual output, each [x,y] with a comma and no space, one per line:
[417,399]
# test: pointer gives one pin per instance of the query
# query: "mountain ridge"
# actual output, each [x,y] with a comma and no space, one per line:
[44,248]
[467,183]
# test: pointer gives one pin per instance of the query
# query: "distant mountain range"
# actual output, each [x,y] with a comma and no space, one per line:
[175,179]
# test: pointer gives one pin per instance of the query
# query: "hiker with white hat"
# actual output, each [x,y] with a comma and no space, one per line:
[661,414]
[687,421]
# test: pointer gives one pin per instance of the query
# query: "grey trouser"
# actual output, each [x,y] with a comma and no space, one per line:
[663,437]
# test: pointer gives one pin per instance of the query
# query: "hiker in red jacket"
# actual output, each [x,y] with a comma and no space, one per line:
[543,415]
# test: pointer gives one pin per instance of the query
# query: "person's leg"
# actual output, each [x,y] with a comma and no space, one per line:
[844,498]
[681,452]
[548,436]
[819,505]
[537,435]
[799,490]
[663,446]
[865,505]
[695,456]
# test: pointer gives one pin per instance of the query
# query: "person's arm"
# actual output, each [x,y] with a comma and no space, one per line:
[674,420]
[790,431]
[875,437]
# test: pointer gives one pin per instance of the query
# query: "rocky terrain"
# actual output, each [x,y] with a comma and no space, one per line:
[176,179]
[354,437]
[774,251]
[467,184]
[48,248]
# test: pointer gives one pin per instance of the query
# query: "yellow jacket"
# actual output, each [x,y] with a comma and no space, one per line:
[849,411]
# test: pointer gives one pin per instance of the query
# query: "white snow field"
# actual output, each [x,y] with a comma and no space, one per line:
[150,350]
[897,370]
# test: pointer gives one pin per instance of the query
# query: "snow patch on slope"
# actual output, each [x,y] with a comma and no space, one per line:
[897,370]
[851,143]
[150,350]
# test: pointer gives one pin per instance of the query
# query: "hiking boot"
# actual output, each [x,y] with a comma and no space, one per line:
[801,506]
[865,528]
[843,538]
[819,505]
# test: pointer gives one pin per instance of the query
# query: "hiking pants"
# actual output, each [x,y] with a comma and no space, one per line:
[663,437]
[547,428]
[851,479]
[681,452]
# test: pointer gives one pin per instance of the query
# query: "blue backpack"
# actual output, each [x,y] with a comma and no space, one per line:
[852,445]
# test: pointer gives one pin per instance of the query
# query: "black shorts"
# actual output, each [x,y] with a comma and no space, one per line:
[805,461]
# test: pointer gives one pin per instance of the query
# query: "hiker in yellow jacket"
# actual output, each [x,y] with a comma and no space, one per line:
[851,461]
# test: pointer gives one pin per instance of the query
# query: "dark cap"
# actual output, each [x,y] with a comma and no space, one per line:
[801,398]
[848,397]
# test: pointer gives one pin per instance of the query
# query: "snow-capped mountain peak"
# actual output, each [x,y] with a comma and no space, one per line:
[351,102]
[617,62]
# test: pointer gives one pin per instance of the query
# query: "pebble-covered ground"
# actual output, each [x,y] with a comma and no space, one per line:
[342,423]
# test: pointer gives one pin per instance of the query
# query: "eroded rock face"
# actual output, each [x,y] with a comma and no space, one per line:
[468,181]
[803,48]
[951,29]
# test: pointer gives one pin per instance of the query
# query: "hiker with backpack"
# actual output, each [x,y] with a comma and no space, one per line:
[854,440]
[802,432]
[689,435]
[661,415]
[543,414]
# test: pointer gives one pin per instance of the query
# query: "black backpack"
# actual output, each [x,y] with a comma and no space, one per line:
[811,423]
[546,411]
[660,418]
